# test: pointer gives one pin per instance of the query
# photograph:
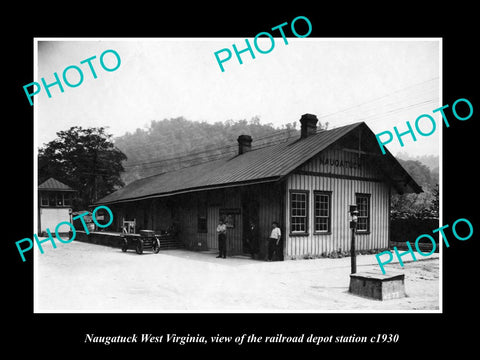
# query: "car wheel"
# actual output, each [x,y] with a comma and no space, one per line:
[156,246]
[139,248]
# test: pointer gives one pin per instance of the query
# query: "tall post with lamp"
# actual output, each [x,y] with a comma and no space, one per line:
[371,284]
[353,226]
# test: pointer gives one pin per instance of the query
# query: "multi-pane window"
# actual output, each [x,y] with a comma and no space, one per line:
[322,211]
[298,211]
[58,199]
[44,200]
[52,199]
[363,207]
[67,200]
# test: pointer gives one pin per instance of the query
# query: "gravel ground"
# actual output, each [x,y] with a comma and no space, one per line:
[81,277]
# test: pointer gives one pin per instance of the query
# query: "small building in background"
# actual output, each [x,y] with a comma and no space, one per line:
[54,205]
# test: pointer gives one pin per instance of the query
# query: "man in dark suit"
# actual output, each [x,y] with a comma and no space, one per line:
[252,238]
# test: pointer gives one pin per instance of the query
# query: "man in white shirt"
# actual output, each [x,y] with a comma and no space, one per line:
[222,239]
[274,240]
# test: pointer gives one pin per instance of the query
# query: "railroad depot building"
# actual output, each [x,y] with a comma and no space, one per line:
[306,184]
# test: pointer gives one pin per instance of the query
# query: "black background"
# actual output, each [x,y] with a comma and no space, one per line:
[64,334]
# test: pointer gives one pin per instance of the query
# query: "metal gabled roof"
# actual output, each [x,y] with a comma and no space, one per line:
[54,185]
[266,164]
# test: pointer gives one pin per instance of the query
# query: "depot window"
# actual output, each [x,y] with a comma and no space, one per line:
[322,208]
[363,207]
[298,212]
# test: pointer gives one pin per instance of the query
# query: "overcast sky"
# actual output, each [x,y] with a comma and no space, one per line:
[384,82]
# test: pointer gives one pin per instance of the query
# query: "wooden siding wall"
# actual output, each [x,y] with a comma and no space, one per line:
[185,214]
[118,213]
[268,201]
[270,198]
[126,211]
[343,181]
[225,199]
[212,222]
[343,163]
[160,214]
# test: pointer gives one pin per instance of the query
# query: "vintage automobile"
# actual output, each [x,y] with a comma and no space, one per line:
[139,242]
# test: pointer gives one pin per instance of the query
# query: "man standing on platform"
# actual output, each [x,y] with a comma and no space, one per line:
[252,238]
[273,241]
[222,239]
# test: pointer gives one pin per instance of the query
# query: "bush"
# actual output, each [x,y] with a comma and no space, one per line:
[408,229]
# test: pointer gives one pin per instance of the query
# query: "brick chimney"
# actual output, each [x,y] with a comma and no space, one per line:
[244,144]
[309,125]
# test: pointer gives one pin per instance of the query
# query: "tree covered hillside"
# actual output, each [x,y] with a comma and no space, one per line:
[430,161]
[169,144]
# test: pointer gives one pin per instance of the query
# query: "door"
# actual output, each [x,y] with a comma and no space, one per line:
[250,213]
[212,222]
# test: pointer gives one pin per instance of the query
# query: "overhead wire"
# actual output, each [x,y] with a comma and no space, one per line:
[214,146]
[225,149]
[203,151]
[372,101]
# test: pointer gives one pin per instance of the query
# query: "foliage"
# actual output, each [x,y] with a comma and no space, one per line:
[431,161]
[335,254]
[418,206]
[84,159]
[420,172]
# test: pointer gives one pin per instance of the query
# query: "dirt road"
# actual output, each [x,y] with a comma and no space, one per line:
[80,277]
